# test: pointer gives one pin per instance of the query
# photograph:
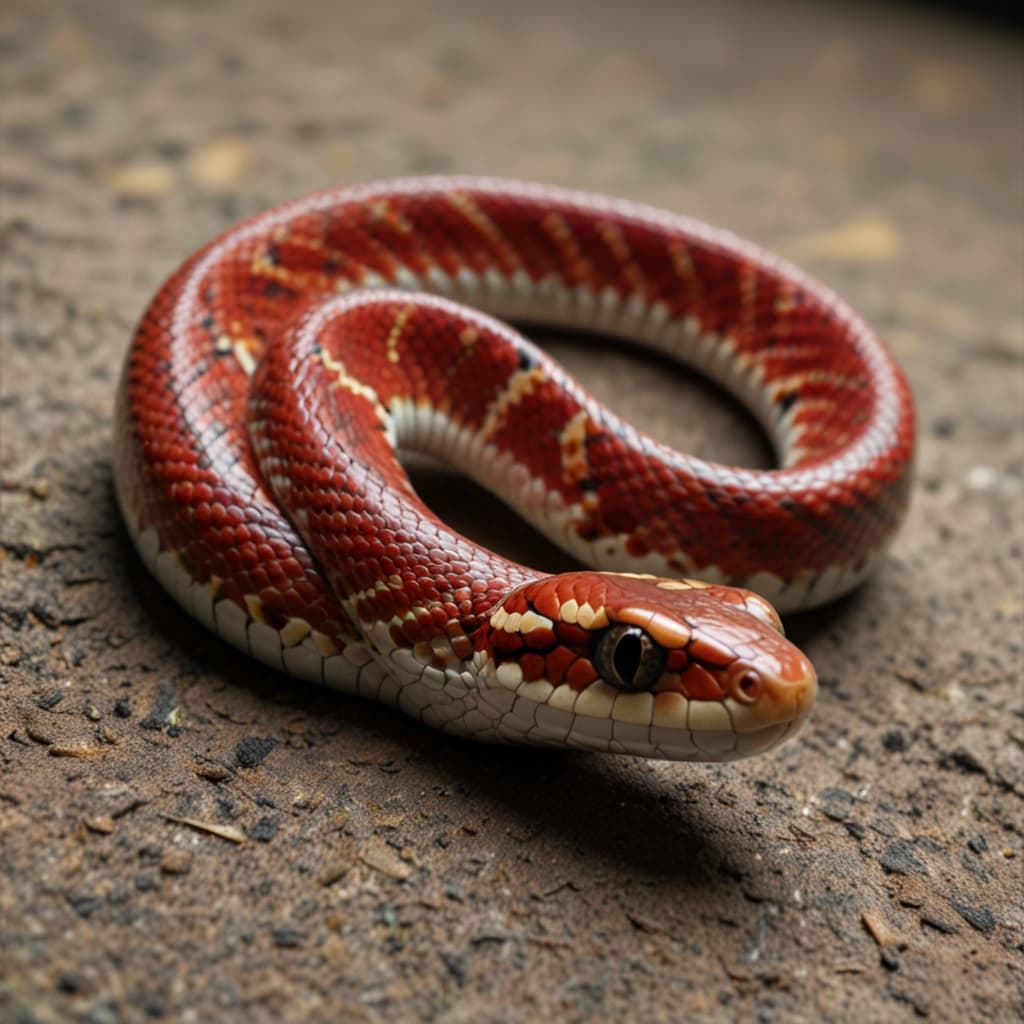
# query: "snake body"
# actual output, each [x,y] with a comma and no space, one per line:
[275,374]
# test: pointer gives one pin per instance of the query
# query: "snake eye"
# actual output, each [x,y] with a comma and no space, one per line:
[628,658]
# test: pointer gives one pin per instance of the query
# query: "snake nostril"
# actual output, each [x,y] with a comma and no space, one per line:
[749,687]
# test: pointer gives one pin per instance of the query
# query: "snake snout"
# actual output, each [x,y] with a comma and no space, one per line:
[768,697]
[774,686]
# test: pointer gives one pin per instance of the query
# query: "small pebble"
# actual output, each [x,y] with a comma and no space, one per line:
[981,919]
[176,862]
[252,751]
[894,741]
[890,960]
[898,858]
[938,922]
[70,982]
[263,831]
[287,937]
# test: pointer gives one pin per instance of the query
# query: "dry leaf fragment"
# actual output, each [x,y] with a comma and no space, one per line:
[228,832]
[74,749]
[880,930]
[379,856]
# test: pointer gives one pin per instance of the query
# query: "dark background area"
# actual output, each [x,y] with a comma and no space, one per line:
[1004,15]
[185,835]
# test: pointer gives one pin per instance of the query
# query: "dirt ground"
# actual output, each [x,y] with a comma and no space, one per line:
[188,836]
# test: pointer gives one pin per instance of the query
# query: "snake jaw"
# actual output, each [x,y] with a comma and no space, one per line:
[638,664]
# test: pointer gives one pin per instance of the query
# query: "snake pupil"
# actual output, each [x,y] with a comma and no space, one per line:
[628,652]
[628,658]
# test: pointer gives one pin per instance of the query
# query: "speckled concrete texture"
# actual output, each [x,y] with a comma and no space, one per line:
[187,836]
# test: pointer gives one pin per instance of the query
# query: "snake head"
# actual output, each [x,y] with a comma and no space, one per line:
[634,664]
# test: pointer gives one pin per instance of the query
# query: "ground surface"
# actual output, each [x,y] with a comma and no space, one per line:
[187,836]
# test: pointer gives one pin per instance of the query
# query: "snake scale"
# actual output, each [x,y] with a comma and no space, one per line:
[277,372]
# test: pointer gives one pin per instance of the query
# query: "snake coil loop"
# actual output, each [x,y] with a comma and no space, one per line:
[276,372]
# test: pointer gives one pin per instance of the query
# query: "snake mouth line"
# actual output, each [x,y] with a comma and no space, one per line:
[682,745]
[519,719]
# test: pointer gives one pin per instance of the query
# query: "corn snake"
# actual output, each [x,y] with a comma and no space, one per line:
[276,372]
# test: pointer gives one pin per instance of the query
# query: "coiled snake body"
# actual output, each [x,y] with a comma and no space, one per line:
[275,374]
